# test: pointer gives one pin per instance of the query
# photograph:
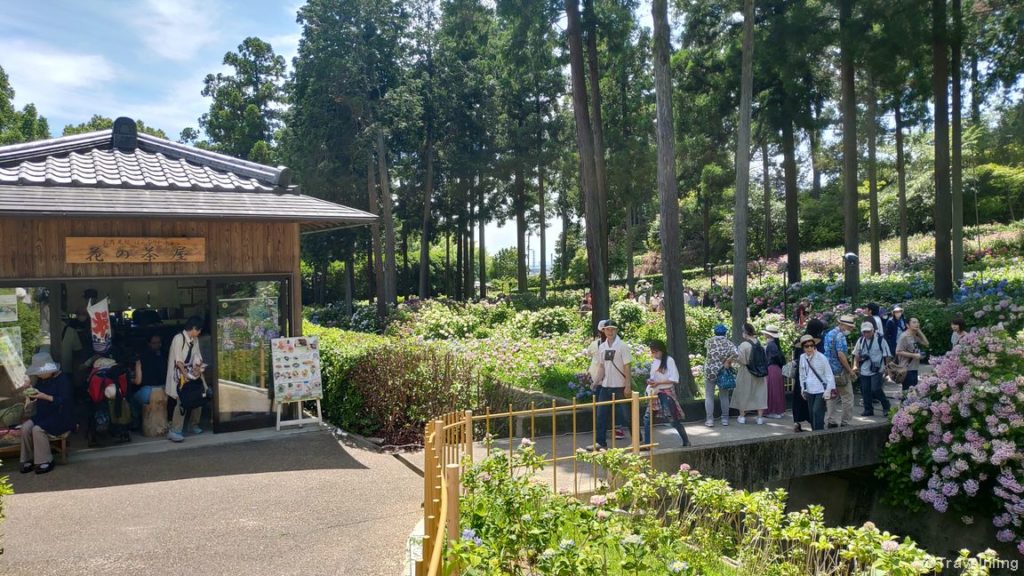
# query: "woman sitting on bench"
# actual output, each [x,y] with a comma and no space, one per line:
[53,417]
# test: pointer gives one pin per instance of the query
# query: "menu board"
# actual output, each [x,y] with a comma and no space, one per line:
[8,308]
[14,333]
[296,368]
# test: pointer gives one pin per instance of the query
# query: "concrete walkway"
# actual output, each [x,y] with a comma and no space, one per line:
[298,503]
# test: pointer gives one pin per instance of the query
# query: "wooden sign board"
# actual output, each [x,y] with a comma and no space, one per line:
[129,250]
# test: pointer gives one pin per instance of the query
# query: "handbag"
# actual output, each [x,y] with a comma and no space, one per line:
[789,370]
[896,371]
[726,379]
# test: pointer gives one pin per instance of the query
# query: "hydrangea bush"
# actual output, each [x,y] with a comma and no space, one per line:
[644,523]
[955,441]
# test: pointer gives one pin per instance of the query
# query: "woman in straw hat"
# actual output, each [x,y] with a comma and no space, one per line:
[53,417]
[774,381]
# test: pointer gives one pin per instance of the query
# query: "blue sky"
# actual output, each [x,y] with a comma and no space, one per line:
[144,59]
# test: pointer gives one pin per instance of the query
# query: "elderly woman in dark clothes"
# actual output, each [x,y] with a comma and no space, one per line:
[51,394]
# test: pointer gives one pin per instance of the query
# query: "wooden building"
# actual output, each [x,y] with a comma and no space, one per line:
[164,232]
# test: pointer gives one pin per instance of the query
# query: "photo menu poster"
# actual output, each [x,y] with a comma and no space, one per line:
[297,374]
[8,307]
[10,360]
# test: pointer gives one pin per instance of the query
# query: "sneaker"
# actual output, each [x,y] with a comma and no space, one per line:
[725,421]
[760,420]
[197,430]
[741,420]
[620,433]
[596,448]
[709,423]
[175,436]
[775,416]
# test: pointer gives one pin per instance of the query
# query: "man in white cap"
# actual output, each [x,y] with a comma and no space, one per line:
[617,380]
[837,351]
[870,355]
[52,396]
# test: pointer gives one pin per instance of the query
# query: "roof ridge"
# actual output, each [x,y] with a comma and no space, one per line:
[278,176]
[53,146]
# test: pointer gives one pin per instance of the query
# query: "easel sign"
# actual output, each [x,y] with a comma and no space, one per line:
[297,376]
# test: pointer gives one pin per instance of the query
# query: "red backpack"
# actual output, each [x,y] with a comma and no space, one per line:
[100,378]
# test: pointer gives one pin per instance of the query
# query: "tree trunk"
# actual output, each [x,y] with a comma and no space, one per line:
[675,314]
[448,265]
[792,202]
[371,269]
[566,223]
[851,221]
[405,262]
[630,239]
[742,210]
[470,250]
[483,247]
[519,202]
[588,176]
[350,282]
[815,137]
[872,128]
[541,209]
[765,167]
[390,272]
[378,268]
[901,175]
[428,195]
[943,202]
[594,76]
[459,260]
[975,90]
[705,203]
[957,168]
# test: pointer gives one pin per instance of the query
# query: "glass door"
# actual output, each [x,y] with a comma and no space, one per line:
[248,314]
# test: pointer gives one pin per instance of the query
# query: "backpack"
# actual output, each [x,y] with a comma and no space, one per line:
[758,360]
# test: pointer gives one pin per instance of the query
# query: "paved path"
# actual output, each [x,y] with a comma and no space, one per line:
[583,477]
[298,504]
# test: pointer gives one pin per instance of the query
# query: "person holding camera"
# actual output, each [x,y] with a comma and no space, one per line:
[871,353]
[184,367]
[909,352]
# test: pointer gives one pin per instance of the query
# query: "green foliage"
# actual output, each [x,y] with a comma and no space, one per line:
[503,264]
[629,316]
[5,490]
[98,122]
[549,321]
[700,325]
[644,522]
[18,126]
[340,353]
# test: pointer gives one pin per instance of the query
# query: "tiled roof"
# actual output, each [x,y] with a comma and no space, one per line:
[135,169]
[120,174]
[81,202]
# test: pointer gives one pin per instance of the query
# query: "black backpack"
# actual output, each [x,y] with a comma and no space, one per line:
[758,360]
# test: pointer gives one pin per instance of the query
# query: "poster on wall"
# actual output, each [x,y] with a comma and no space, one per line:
[8,308]
[296,369]
[14,333]
[99,326]
[10,361]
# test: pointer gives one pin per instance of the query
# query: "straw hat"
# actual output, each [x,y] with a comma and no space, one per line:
[42,363]
[771,330]
[848,320]
[867,327]
[808,338]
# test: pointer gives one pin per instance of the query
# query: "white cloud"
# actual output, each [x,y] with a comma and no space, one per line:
[177,30]
[286,45]
[52,78]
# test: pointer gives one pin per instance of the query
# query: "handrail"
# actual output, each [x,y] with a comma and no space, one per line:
[448,443]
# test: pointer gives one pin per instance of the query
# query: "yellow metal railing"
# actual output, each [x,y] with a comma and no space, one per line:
[448,443]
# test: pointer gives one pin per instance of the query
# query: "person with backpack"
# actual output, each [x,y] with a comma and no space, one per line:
[837,351]
[816,380]
[871,354]
[775,382]
[895,326]
[751,393]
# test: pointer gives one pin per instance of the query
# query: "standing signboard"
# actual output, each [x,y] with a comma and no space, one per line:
[297,375]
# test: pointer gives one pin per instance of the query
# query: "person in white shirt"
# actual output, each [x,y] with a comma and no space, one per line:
[617,380]
[816,379]
[184,359]
[871,354]
[662,383]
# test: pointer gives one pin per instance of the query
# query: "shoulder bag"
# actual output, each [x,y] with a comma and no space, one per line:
[726,378]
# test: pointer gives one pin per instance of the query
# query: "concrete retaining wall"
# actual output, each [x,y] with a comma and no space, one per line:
[757,463]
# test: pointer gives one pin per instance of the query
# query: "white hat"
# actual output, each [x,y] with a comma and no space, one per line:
[600,325]
[867,326]
[42,363]
[771,330]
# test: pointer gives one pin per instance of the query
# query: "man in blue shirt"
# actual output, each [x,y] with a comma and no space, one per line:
[837,351]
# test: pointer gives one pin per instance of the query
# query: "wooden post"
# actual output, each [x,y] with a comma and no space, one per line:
[452,479]
[468,435]
[263,364]
[634,415]
[428,498]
